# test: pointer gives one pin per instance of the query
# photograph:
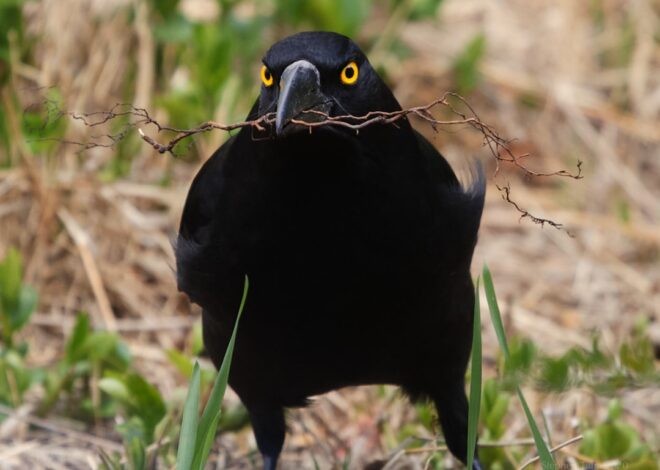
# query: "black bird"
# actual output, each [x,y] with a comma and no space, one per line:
[357,246]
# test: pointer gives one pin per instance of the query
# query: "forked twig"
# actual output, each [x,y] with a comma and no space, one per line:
[505,192]
[572,440]
[140,118]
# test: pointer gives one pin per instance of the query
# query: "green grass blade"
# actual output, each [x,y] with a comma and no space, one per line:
[211,415]
[546,428]
[204,449]
[494,309]
[188,435]
[541,447]
[475,381]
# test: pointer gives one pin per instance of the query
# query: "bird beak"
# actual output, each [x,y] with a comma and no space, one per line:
[300,90]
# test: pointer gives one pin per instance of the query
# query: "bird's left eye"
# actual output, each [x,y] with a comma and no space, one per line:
[349,74]
[266,76]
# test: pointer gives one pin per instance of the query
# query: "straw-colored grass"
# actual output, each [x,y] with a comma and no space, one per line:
[105,248]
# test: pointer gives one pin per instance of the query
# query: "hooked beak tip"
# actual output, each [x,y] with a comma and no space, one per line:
[300,90]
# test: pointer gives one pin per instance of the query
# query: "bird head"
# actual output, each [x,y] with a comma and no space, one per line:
[312,75]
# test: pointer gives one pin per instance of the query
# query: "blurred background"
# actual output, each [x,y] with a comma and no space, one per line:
[97,344]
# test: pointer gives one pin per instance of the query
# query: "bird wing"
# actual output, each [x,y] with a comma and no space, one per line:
[202,198]
[460,204]
[438,167]
[197,255]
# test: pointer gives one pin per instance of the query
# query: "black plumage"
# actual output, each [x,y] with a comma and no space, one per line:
[357,246]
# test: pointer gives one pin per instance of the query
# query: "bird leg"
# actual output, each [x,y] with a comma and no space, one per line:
[452,406]
[269,429]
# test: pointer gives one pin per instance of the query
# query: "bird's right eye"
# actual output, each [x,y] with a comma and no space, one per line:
[266,76]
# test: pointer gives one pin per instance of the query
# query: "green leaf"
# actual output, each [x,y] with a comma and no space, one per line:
[107,348]
[614,410]
[211,413]
[494,309]
[99,345]
[423,9]
[466,65]
[181,362]
[522,353]
[176,29]
[137,454]
[203,447]
[475,381]
[233,418]
[197,340]
[164,8]
[555,374]
[147,402]
[188,435]
[637,354]
[78,336]
[15,378]
[115,388]
[139,398]
[108,462]
[615,440]
[495,405]
[27,303]
[133,432]
[541,447]
[11,271]
[17,301]
[342,16]
[544,453]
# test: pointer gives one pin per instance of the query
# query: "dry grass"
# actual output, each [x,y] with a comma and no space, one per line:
[106,247]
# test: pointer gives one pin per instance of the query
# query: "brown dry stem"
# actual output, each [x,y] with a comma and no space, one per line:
[498,146]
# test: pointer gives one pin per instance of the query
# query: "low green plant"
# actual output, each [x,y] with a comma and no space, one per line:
[197,435]
[233,416]
[88,356]
[17,300]
[466,65]
[139,399]
[17,303]
[475,381]
[495,405]
[545,456]
[615,440]
[604,372]
[15,377]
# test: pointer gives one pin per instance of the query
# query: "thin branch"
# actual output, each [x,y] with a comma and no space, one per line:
[82,242]
[53,426]
[139,118]
[554,449]
[505,192]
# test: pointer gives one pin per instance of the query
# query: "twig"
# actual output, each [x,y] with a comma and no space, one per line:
[129,325]
[480,444]
[81,239]
[140,118]
[497,144]
[49,426]
[554,449]
[505,191]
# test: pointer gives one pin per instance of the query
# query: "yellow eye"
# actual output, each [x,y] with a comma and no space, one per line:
[349,74]
[266,76]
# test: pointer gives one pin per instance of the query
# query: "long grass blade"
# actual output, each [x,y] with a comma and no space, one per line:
[188,435]
[211,415]
[475,381]
[494,310]
[541,447]
[205,444]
